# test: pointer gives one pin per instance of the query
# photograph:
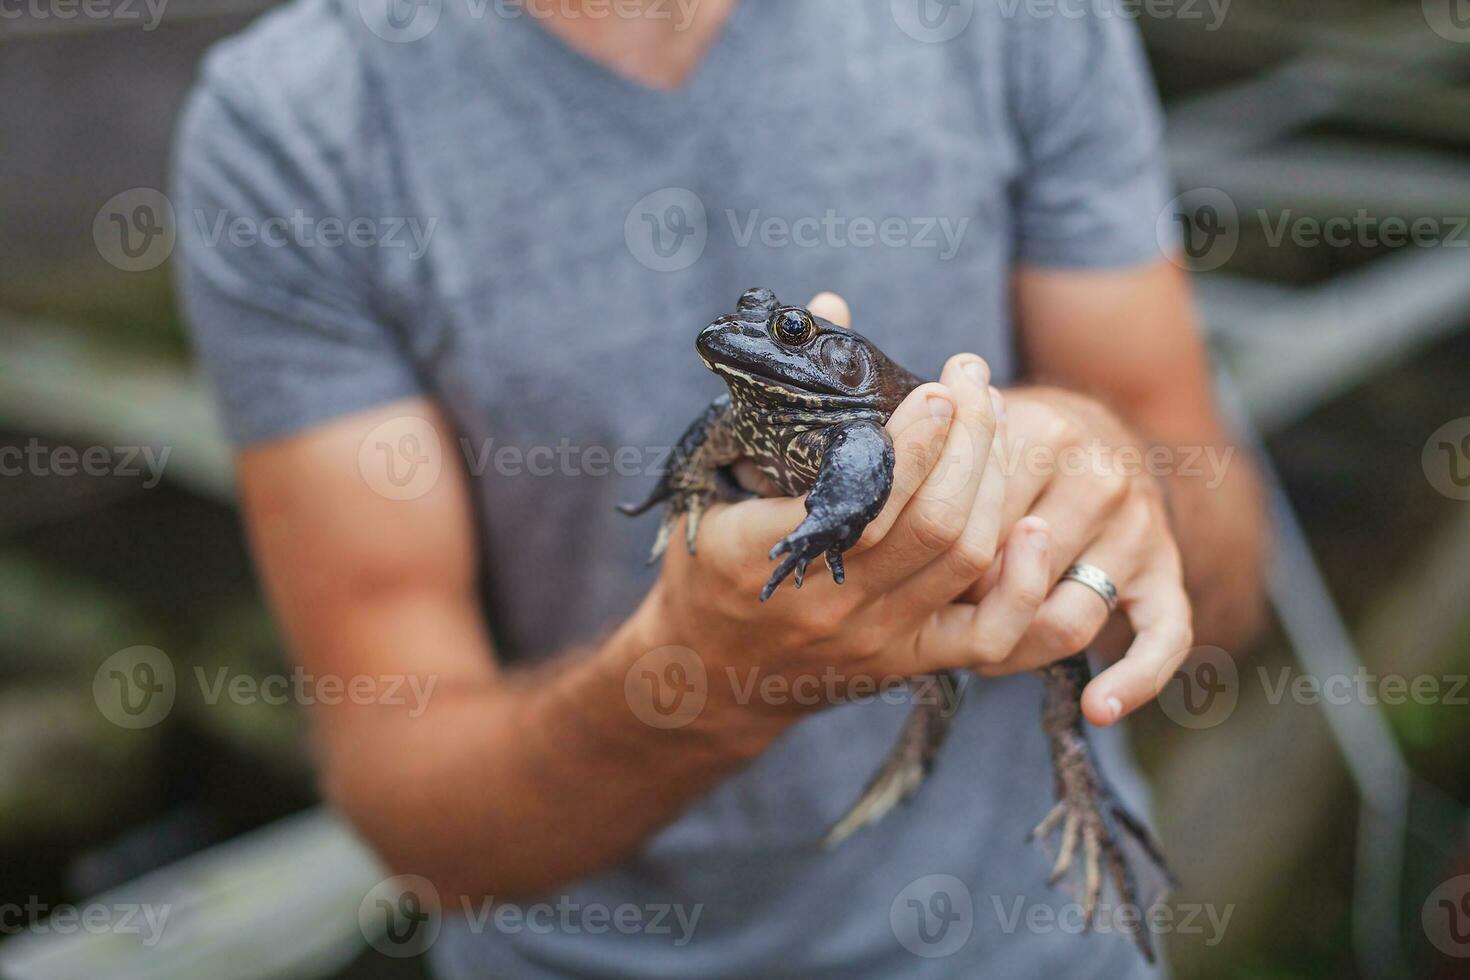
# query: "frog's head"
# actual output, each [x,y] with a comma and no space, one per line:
[778,355]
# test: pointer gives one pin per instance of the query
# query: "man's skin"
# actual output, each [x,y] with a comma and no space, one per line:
[514,781]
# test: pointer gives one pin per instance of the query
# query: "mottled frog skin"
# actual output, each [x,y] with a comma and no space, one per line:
[807,404]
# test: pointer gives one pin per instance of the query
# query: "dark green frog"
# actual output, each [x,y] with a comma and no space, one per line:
[807,405]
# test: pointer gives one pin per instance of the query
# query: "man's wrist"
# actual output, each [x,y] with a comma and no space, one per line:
[680,688]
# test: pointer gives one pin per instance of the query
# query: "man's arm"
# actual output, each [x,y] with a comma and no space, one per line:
[1132,340]
[508,779]
[511,781]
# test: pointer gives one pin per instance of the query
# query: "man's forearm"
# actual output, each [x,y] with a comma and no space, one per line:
[1219,520]
[536,778]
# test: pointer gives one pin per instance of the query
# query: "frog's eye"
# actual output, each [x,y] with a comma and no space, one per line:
[793,326]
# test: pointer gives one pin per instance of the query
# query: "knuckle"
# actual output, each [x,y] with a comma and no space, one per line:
[936,525]
[972,555]
[1112,488]
[1066,631]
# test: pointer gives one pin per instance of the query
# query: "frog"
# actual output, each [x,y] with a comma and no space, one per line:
[806,402]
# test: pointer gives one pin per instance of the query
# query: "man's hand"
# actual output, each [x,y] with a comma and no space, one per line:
[937,534]
[1079,468]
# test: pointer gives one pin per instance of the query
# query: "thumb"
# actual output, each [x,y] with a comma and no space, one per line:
[830,306]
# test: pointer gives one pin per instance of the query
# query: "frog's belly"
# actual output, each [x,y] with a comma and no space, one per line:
[791,457]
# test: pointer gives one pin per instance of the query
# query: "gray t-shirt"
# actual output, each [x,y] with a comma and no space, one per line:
[476,212]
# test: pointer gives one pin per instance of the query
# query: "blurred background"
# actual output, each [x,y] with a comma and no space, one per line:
[1323,155]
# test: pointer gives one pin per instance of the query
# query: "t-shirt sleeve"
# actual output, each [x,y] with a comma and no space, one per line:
[278,298]
[1095,177]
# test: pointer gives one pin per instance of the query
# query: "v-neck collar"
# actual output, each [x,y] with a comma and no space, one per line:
[584,78]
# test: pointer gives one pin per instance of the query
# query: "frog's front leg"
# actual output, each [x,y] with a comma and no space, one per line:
[694,477]
[851,487]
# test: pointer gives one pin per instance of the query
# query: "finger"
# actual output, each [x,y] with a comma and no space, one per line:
[918,428]
[937,516]
[737,536]
[831,306]
[1160,613]
[982,636]
[949,575]
[1073,614]
[1078,508]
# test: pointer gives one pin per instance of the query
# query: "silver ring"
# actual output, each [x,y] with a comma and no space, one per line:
[1095,579]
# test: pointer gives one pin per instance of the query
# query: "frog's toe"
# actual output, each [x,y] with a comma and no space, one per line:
[834,565]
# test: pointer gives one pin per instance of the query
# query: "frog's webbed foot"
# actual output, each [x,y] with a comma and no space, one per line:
[1092,822]
[849,491]
[911,758]
[694,478]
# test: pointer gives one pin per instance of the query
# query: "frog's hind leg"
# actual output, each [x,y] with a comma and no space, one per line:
[1092,820]
[692,480]
[936,699]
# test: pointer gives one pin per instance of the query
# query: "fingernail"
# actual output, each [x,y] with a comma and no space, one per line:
[1115,708]
[999,402]
[1038,538]
[940,409]
[977,373]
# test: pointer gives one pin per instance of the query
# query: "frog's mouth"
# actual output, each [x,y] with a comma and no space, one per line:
[781,390]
